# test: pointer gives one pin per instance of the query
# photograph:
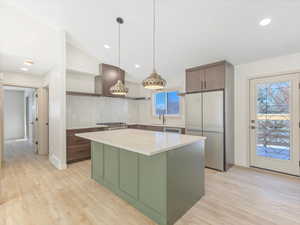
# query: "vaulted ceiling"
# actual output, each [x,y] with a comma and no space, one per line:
[189,33]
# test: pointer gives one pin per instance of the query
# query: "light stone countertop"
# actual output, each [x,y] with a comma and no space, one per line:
[142,141]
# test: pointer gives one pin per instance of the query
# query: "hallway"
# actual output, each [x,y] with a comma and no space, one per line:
[33,192]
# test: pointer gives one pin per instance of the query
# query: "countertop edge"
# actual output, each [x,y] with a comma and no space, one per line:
[136,151]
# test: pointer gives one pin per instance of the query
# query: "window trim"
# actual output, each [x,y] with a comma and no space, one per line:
[166,115]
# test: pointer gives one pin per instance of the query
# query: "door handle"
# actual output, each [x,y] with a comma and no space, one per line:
[253,127]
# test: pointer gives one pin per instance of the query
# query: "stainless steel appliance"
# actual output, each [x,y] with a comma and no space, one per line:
[205,117]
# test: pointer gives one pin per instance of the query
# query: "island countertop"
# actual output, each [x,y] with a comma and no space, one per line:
[142,141]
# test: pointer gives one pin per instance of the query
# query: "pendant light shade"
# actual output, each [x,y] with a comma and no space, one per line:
[154,81]
[119,88]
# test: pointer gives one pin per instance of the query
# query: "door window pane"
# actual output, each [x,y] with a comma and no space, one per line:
[273,120]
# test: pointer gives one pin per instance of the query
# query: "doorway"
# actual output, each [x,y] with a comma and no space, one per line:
[274,123]
[25,121]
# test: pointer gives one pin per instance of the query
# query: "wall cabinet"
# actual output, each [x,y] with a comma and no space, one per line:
[206,78]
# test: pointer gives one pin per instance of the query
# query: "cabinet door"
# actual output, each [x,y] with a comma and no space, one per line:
[194,80]
[215,77]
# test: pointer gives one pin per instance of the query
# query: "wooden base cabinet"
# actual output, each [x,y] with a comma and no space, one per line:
[79,149]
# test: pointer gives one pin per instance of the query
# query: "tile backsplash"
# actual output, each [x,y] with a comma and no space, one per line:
[86,110]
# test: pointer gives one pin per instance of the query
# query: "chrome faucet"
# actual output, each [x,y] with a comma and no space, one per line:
[162,116]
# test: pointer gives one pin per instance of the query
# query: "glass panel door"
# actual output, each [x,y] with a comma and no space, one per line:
[274,120]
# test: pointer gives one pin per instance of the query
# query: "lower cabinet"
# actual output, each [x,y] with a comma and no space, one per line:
[163,186]
[140,180]
[79,149]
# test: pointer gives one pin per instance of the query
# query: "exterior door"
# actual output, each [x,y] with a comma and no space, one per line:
[274,123]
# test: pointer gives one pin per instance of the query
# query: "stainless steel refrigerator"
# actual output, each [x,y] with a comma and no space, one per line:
[205,117]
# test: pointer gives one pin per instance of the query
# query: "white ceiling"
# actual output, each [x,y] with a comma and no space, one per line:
[23,38]
[190,32]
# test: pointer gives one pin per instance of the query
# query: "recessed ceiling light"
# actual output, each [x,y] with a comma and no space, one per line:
[106,46]
[24,69]
[265,22]
[28,62]
[137,66]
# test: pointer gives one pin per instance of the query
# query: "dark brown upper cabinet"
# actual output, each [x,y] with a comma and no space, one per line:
[110,76]
[194,80]
[206,78]
[214,77]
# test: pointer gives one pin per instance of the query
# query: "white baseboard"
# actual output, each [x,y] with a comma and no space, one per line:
[57,163]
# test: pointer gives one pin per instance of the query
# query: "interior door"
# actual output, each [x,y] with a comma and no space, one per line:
[1,125]
[43,121]
[274,123]
[34,122]
[213,129]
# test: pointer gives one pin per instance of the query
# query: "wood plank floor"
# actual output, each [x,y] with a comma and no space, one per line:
[33,192]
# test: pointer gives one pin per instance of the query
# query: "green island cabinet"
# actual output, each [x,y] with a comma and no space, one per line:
[162,186]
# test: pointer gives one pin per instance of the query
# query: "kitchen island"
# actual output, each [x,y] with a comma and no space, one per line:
[159,173]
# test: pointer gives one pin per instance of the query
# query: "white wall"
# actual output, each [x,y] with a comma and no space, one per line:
[78,60]
[244,72]
[56,81]
[87,111]
[14,115]
[23,80]
[80,82]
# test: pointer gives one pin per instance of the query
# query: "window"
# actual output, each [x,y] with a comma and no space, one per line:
[166,102]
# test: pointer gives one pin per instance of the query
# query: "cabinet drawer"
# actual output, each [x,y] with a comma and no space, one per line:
[78,152]
[155,128]
[78,148]
[78,156]
[74,140]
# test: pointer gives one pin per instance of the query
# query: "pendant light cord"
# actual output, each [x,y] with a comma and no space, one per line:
[154,30]
[119,46]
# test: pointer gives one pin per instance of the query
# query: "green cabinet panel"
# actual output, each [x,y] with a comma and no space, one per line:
[152,181]
[111,165]
[163,186]
[97,161]
[129,173]
[185,179]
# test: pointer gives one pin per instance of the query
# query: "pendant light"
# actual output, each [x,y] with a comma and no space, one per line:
[154,81]
[119,88]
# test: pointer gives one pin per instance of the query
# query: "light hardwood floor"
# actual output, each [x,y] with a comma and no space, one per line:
[33,192]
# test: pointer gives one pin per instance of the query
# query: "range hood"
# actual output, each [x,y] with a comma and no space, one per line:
[109,75]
